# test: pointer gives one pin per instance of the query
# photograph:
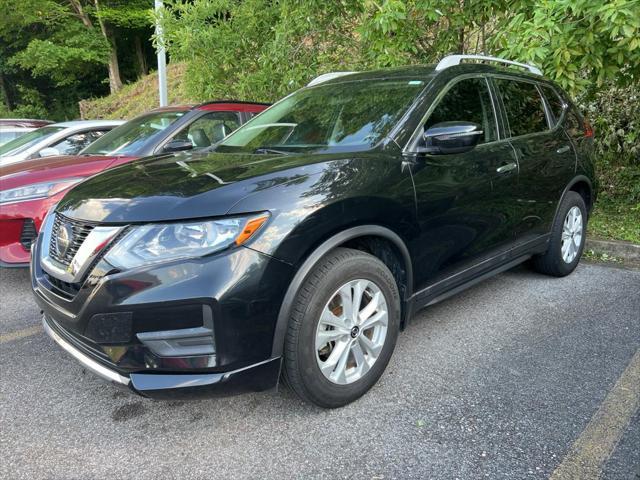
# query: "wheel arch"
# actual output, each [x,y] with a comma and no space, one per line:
[584,187]
[347,238]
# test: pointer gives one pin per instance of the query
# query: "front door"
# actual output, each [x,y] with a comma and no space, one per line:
[465,201]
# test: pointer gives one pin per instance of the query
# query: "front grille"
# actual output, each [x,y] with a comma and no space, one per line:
[28,234]
[80,230]
[64,289]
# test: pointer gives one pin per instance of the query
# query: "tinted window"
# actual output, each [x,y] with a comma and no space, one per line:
[130,137]
[524,107]
[467,101]
[344,116]
[209,129]
[76,142]
[573,124]
[555,103]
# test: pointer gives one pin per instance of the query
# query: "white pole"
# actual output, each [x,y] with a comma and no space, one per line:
[162,60]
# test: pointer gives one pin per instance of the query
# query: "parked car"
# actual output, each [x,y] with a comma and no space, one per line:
[303,244]
[65,138]
[11,128]
[28,189]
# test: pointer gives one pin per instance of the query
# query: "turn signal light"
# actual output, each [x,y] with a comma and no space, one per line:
[251,227]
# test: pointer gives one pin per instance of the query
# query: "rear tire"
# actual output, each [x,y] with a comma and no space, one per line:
[567,238]
[342,329]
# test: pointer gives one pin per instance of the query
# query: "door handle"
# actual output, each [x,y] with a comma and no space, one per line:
[564,149]
[506,168]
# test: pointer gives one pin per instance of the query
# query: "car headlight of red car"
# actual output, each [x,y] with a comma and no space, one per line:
[36,190]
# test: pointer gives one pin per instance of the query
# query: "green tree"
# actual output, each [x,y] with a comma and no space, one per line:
[55,52]
[579,43]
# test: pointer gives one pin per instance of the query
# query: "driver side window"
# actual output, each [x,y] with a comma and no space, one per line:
[467,101]
[209,129]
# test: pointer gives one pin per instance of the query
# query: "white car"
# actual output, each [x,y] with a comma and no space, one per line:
[65,138]
[11,128]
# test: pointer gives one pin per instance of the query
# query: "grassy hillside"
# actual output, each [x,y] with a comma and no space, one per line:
[137,97]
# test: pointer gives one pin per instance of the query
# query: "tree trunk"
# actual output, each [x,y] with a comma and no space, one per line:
[115,82]
[80,13]
[5,93]
[143,68]
[461,32]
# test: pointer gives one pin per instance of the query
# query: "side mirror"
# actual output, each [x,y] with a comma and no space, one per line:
[177,146]
[451,137]
[48,152]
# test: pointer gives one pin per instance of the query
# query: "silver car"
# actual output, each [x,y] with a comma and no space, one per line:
[65,138]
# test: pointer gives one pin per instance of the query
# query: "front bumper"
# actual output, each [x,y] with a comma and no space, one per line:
[15,219]
[181,329]
[253,378]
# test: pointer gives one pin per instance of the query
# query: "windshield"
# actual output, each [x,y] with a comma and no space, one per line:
[22,143]
[128,138]
[344,116]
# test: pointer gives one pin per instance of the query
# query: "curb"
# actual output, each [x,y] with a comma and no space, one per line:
[627,251]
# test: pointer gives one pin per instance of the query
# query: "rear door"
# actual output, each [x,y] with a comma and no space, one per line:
[546,156]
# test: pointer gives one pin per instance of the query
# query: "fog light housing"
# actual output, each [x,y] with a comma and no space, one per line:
[182,342]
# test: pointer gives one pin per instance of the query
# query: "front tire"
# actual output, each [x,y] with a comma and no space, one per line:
[567,238]
[342,330]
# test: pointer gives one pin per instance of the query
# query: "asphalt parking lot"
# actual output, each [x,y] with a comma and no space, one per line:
[522,376]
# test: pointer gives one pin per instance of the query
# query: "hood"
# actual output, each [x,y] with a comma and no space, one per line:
[181,186]
[54,168]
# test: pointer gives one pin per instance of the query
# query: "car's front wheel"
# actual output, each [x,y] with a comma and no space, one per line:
[342,330]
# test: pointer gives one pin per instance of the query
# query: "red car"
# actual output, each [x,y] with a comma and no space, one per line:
[28,189]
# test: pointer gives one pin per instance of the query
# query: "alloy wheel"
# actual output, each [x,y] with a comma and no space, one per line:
[352,331]
[572,232]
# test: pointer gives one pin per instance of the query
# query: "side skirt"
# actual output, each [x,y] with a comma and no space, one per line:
[464,279]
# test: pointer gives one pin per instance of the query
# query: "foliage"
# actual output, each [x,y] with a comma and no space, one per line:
[55,47]
[133,14]
[616,221]
[615,115]
[579,43]
[400,32]
[256,49]
[64,56]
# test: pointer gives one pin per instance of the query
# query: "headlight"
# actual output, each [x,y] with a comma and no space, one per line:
[153,243]
[37,190]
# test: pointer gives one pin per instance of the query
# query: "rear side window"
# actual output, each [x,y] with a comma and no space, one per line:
[467,101]
[524,107]
[555,103]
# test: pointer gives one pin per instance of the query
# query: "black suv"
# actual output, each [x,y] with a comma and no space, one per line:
[301,246]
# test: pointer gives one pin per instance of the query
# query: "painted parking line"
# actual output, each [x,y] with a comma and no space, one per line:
[595,444]
[18,334]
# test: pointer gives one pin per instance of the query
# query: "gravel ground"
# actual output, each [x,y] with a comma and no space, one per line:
[496,382]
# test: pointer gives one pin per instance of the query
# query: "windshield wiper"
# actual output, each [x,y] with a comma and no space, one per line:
[270,150]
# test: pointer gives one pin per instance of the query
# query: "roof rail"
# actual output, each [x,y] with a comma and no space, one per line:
[325,77]
[451,60]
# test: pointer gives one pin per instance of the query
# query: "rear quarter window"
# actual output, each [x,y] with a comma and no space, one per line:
[524,107]
[573,123]
[556,104]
